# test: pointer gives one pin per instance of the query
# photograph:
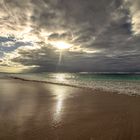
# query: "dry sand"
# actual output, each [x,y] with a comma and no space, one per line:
[37,111]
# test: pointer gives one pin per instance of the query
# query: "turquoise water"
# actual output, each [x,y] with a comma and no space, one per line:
[121,83]
[90,77]
[110,77]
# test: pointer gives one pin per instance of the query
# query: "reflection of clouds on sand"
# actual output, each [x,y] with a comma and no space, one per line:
[18,102]
[6,89]
[21,102]
[27,106]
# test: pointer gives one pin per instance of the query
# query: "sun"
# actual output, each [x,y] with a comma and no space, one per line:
[61,45]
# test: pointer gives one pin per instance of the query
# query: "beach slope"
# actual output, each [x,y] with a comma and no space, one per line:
[39,111]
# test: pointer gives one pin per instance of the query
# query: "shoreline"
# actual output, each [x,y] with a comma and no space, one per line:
[74,86]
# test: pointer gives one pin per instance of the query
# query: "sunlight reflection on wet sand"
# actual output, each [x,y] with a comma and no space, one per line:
[61,93]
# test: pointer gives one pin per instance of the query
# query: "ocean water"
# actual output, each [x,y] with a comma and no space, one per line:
[120,83]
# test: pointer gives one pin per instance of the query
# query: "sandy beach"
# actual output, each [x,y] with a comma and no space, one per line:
[37,111]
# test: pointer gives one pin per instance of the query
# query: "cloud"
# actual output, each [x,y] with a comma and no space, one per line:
[134,7]
[9,44]
[104,35]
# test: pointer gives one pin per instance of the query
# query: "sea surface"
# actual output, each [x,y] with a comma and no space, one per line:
[120,83]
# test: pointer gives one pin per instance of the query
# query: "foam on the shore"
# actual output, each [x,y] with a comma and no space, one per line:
[129,87]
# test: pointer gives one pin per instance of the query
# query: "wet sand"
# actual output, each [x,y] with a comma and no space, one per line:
[37,111]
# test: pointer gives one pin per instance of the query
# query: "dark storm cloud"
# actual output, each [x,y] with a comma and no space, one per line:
[79,17]
[63,36]
[111,27]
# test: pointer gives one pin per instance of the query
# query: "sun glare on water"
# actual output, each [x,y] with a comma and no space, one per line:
[60,77]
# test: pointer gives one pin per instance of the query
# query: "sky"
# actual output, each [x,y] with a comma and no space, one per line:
[69,35]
